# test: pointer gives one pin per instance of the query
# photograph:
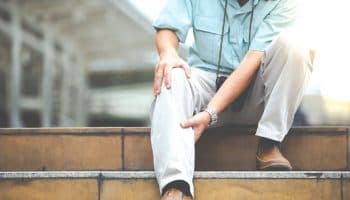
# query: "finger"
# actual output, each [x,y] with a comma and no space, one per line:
[155,80]
[158,81]
[197,136]
[167,77]
[187,69]
[187,123]
[198,133]
[158,77]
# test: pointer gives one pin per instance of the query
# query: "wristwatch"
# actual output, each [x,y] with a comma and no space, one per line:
[213,116]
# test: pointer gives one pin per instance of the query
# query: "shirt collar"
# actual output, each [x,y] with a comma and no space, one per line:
[246,8]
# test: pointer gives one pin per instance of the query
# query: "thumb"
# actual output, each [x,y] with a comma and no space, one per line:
[187,123]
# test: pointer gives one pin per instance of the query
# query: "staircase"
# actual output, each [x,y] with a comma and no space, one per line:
[116,163]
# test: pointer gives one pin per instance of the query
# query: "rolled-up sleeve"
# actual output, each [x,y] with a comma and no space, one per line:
[280,18]
[176,15]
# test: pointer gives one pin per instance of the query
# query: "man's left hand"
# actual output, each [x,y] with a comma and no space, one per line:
[198,123]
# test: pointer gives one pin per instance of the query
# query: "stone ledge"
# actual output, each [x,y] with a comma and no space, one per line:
[128,148]
[197,175]
[146,130]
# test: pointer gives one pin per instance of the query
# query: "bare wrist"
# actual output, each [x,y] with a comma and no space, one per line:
[168,52]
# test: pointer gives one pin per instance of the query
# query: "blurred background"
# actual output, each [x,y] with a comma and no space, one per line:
[90,62]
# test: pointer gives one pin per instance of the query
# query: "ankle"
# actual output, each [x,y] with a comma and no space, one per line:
[265,144]
[179,185]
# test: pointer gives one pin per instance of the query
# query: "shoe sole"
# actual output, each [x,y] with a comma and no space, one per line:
[275,167]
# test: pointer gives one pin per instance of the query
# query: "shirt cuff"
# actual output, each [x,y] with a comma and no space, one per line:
[258,46]
[181,36]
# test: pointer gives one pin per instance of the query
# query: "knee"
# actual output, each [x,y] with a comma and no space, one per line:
[179,91]
[291,49]
[178,82]
[178,78]
[178,75]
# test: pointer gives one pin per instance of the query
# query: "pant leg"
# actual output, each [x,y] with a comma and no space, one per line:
[277,90]
[174,147]
[286,69]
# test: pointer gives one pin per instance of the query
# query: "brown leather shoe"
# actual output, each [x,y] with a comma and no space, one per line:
[175,194]
[270,158]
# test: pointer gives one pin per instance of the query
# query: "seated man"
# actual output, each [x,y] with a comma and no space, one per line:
[266,72]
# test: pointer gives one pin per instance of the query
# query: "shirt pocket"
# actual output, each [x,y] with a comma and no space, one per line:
[207,33]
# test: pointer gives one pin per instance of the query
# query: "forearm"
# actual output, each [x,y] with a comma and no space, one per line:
[166,41]
[167,44]
[237,82]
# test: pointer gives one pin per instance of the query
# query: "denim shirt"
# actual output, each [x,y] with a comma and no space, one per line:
[206,19]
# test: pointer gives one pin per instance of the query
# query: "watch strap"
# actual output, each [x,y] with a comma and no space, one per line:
[213,115]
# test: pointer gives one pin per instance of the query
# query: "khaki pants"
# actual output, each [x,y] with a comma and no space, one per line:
[271,102]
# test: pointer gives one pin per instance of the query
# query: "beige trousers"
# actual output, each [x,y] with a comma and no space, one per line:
[271,102]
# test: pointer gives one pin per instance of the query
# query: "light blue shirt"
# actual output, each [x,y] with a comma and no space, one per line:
[206,18]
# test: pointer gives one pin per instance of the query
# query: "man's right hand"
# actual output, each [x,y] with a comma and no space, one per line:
[168,60]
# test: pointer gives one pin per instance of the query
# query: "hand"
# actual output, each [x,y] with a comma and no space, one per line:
[163,70]
[199,123]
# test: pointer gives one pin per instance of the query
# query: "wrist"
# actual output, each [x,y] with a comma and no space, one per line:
[212,115]
[168,52]
[207,117]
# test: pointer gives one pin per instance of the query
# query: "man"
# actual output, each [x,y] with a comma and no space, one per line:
[266,74]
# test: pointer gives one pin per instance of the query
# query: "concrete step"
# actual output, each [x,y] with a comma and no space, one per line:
[308,148]
[102,185]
